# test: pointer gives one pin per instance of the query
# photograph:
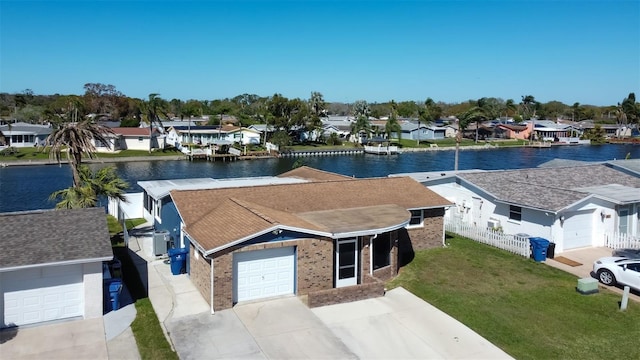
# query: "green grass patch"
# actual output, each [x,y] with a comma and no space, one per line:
[323,147]
[151,342]
[115,226]
[34,153]
[133,153]
[149,336]
[528,309]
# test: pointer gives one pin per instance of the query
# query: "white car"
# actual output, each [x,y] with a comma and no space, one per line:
[618,270]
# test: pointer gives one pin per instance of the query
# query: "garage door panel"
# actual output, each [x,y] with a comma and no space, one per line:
[264,273]
[577,229]
[34,296]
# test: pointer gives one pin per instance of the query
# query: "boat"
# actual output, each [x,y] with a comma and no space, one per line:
[380,146]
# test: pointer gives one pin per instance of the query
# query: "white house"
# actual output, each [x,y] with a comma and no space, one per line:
[130,138]
[211,134]
[22,134]
[572,206]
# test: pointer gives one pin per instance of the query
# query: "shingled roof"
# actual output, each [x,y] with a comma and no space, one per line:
[219,217]
[53,236]
[311,174]
[548,188]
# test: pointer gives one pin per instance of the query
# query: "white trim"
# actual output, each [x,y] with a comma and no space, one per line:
[307,231]
[59,263]
[352,280]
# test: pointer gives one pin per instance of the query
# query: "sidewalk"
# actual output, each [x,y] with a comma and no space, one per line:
[172,296]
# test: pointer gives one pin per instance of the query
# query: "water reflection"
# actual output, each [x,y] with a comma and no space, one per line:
[28,187]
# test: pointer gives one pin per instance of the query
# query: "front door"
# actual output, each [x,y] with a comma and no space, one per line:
[346,262]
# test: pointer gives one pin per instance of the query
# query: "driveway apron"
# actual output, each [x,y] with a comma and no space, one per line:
[283,328]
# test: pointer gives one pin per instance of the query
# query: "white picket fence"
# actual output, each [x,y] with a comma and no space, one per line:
[619,241]
[512,243]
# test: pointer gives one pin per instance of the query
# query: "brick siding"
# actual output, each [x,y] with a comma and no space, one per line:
[370,288]
[200,273]
[430,235]
[315,265]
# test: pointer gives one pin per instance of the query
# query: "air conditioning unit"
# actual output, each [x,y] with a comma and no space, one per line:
[493,224]
[161,241]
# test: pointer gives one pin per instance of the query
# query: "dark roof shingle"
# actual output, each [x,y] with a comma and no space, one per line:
[53,236]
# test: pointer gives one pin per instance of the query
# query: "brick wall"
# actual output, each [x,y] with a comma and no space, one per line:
[429,236]
[370,288]
[314,268]
[200,273]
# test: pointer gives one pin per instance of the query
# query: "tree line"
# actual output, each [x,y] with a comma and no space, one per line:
[106,102]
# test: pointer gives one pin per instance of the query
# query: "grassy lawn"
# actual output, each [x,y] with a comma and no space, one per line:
[528,309]
[32,153]
[151,341]
[152,344]
[317,146]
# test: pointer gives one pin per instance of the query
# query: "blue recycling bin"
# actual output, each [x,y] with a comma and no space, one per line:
[539,248]
[115,288]
[178,258]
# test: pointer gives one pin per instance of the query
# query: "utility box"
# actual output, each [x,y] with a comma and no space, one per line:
[587,286]
[161,241]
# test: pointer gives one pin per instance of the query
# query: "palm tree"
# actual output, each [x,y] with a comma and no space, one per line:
[430,113]
[361,112]
[76,139]
[150,113]
[317,104]
[103,183]
[392,125]
[74,198]
[528,104]
[483,111]
[510,107]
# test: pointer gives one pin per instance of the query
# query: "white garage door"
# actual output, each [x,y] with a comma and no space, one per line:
[42,294]
[264,273]
[578,227]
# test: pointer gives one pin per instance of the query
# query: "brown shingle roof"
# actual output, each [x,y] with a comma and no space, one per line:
[311,174]
[217,217]
[132,131]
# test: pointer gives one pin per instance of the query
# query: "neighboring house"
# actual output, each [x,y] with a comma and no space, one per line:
[548,130]
[572,206]
[131,138]
[450,130]
[513,131]
[415,131]
[178,136]
[329,129]
[331,240]
[610,130]
[51,265]
[155,204]
[22,134]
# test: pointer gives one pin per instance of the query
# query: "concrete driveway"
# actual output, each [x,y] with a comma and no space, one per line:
[81,339]
[585,257]
[398,325]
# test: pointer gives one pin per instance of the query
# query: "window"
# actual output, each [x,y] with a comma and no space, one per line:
[515,213]
[140,139]
[417,217]
[382,251]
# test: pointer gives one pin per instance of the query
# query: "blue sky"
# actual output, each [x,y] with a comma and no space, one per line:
[452,51]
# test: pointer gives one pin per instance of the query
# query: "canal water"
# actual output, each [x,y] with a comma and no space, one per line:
[28,187]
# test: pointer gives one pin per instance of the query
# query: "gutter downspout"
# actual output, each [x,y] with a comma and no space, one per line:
[444,234]
[371,238]
[212,262]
